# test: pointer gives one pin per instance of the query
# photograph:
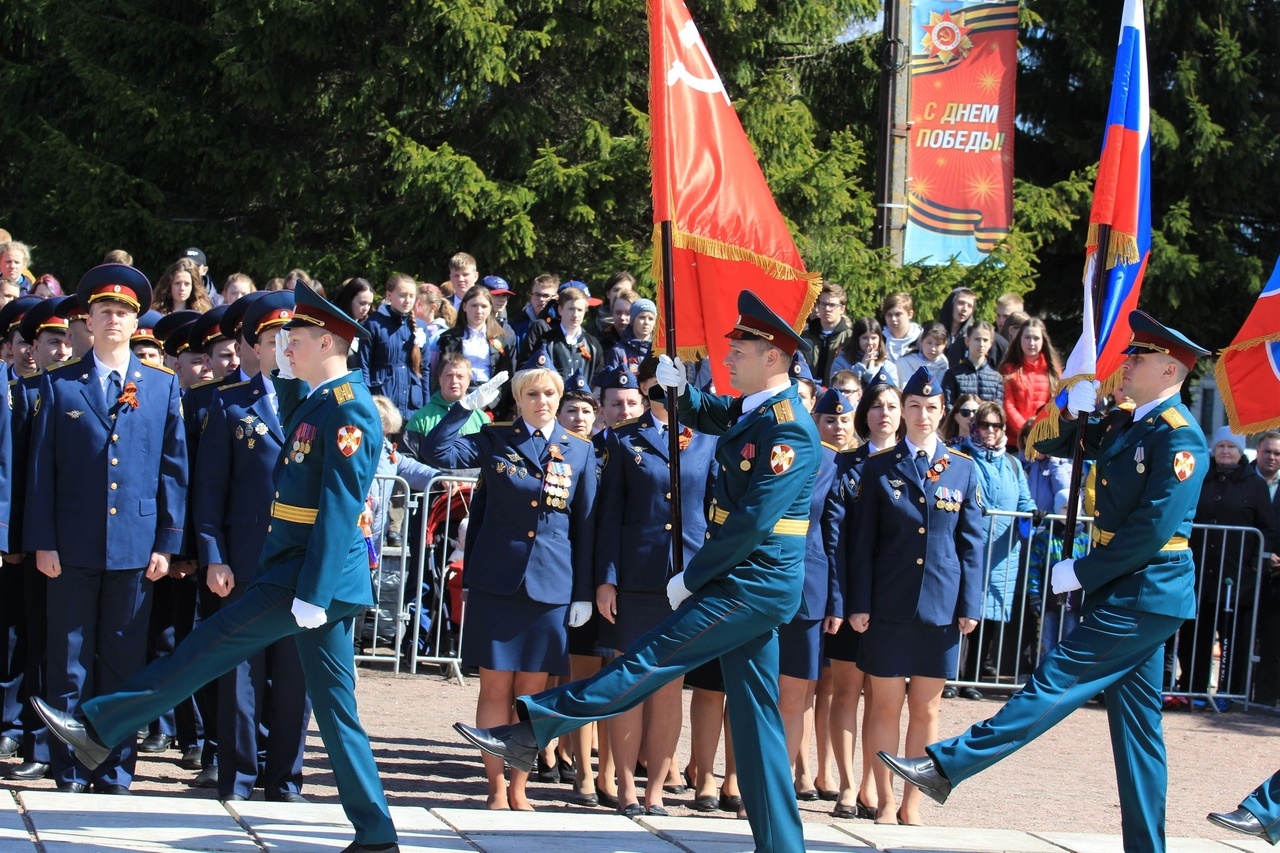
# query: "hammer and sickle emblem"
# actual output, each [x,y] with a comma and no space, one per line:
[689,37]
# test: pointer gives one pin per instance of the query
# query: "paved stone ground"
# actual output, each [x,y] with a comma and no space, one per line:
[1059,793]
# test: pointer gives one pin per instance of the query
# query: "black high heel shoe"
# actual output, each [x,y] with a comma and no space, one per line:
[865,812]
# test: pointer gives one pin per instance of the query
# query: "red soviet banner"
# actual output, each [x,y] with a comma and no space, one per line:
[964,59]
[728,234]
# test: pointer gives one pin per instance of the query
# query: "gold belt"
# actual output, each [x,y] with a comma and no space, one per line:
[296,514]
[1103,537]
[784,527]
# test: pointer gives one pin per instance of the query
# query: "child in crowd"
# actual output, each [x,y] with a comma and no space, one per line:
[930,353]
[974,373]
[865,353]
[901,333]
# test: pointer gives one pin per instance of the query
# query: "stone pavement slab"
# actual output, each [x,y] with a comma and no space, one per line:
[13,830]
[521,832]
[729,835]
[1085,842]
[1248,845]
[322,828]
[945,839]
[97,822]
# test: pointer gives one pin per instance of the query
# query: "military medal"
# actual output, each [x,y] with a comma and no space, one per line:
[1139,456]
[501,467]
[302,441]
[936,469]
[260,428]
[748,453]
[250,444]
[940,494]
[239,433]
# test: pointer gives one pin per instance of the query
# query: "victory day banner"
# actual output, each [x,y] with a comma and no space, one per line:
[964,59]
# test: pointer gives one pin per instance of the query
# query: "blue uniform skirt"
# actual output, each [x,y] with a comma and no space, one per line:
[638,614]
[587,641]
[903,649]
[800,649]
[514,633]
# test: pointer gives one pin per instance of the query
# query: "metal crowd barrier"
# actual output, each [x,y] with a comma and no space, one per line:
[386,623]
[437,585]
[1014,648]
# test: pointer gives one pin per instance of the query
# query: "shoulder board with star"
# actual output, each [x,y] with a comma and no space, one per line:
[205,383]
[783,412]
[830,446]
[1174,418]
[234,385]
[888,449]
[163,369]
[627,422]
[573,435]
[66,363]
[343,393]
[960,453]
[500,424]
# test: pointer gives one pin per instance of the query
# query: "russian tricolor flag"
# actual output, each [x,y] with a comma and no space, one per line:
[1248,371]
[1120,220]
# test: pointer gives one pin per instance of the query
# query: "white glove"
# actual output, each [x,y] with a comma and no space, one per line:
[677,592]
[283,369]
[1064,577]
[1083,397]
[308,615]
[486,395]
[419,336]
[671,375]
[579,613]
[355,345]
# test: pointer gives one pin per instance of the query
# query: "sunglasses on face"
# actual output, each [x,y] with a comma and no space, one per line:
[990,425]
[967,413]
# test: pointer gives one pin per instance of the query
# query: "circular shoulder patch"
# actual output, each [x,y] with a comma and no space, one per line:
[781,458]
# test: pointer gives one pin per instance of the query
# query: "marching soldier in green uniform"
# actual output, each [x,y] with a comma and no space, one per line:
[746,580]
[313,575]
[1139,583]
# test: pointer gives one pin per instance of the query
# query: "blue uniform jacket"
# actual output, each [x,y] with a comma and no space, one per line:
[195,410]
[633,515]
[1149,477]
[768,459]
[333,438]
[22,398]
[520,540]
[844,492]
[908,556]
[239,449]
[7,478]
[822,592]
[106,486]
[384,360]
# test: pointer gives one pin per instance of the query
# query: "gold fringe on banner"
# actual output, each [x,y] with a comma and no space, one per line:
[1228,396]
[1121,248]
[728,252]
[1048,419]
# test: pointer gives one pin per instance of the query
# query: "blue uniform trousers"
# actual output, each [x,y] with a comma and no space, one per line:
[1264,803]
[265,694]
[97,639]
[35,734]
[13,635]
[233,634]
[173,612]
[710,624]
[1114,650]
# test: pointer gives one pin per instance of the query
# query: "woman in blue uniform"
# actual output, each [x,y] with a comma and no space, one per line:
[915,565]
[800,640]
[877,422]
[528,561]
[633,565]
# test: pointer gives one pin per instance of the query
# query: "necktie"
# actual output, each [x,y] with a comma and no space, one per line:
[735,410]
[114,388]
[922,464]
[539,443]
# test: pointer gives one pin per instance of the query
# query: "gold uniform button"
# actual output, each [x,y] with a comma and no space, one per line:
[666,527]
[268,528]
[668,496]
[1104,482]
[530,534]
[533,503]
[1096,513]
[114,487]
[277,496]
[112,510]
[537,476]
[708,535]
[115,438]
[115,461]
[922,500]
[922,530]
[919,561]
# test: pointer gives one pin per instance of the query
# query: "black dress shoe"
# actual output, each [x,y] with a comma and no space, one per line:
[9,747]
[844,811]
[234,798]
[357,847]
[632,810]
[192,758]
[115,790]
[72,788]
[948,692]
[206,778]
[1241,820]
[288,797]
[74,732]
[515,743]
[807,796]
[970,693]
[155,743]
[730,803]
[28,771]
[705,804]
[865,812]
[607,800]
[921,772]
